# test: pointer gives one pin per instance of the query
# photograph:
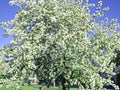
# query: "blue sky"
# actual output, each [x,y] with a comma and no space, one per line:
[7,12]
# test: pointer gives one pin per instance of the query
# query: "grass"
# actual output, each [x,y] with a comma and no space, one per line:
[35,88]
[23,88]
[56,88]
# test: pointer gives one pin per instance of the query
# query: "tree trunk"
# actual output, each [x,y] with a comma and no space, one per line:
[63,86]
[63,81]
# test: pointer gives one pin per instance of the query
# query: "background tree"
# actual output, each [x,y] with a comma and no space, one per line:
[116,61]
[51,40]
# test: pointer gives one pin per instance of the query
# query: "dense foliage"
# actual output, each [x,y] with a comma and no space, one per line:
[59,40]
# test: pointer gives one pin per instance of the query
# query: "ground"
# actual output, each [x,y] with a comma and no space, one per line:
[35,88]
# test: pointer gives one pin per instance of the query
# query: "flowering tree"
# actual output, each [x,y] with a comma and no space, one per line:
[59,39]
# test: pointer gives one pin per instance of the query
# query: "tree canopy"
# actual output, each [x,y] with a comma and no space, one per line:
[59,39]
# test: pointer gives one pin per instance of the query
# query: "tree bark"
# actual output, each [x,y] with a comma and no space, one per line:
[63,86]
[63,81]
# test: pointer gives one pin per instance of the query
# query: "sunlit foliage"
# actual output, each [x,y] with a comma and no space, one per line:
[59,39]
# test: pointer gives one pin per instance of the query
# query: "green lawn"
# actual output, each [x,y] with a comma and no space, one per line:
[35,88]
[23,88]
